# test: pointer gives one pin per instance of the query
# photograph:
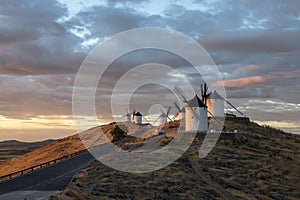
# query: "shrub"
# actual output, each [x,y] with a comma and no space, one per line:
[119,133]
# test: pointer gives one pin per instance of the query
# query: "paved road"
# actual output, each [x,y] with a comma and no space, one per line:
[56,177]
[53,177]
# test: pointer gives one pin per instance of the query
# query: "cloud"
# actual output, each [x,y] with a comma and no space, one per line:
[242,82]
[287,74]
[34,40]
[42,46]
[246,41]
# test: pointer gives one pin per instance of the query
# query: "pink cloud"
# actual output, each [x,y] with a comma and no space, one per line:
[240,82]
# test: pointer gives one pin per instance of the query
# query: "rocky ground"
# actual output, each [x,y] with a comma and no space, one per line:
[254,163]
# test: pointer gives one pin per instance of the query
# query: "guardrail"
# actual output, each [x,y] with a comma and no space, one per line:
[39,166]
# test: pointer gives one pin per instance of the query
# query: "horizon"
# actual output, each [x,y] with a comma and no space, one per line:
[74,133]
[256,52]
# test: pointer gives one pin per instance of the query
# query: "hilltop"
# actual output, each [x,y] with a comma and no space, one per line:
[257,162]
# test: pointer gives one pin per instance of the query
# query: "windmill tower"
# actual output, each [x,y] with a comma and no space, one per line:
[181,112]
[137,117]
[196,115]
[215,105]
[163,117]
[127,116]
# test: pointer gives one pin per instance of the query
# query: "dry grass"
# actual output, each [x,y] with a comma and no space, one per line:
[66,146]
[255,163]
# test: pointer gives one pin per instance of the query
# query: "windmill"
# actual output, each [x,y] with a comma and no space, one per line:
[195,112]
[181,112]
[138,117]
[163,117]
[215,104]
[127,116]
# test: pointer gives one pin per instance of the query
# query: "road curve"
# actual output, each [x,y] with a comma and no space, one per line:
[53,177]
[56,177]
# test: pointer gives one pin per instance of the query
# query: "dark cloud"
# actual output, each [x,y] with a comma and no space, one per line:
[28,20]
[34,40]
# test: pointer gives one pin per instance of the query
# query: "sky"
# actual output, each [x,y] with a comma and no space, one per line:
[255,45]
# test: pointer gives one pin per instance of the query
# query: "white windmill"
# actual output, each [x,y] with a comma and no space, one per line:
[137,117]
[163,117]
[215,105]
[195,113]
[181,112]
[127,116]
[215,102]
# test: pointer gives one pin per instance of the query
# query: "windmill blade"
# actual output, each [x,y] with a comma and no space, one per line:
[168,111]
[212,116]
[169,118]
[234,107]
[156,120]
[145,119]
[180,93]
[175,116]
[176,105]
[227,109]
[204,91]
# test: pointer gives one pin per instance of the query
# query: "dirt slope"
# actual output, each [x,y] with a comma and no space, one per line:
[255,163]
[63,147]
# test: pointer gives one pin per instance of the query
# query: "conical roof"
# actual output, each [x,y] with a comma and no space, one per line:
[214,95]
[196,102]
[137,114]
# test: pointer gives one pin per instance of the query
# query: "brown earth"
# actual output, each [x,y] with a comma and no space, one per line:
[255,163]
[66,146]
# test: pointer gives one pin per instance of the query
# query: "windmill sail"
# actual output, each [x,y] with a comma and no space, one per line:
[204,91]
[234,107]
[180,93]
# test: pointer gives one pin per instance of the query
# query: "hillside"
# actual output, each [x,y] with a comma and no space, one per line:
[12,148]
[254,163]
[63,147]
